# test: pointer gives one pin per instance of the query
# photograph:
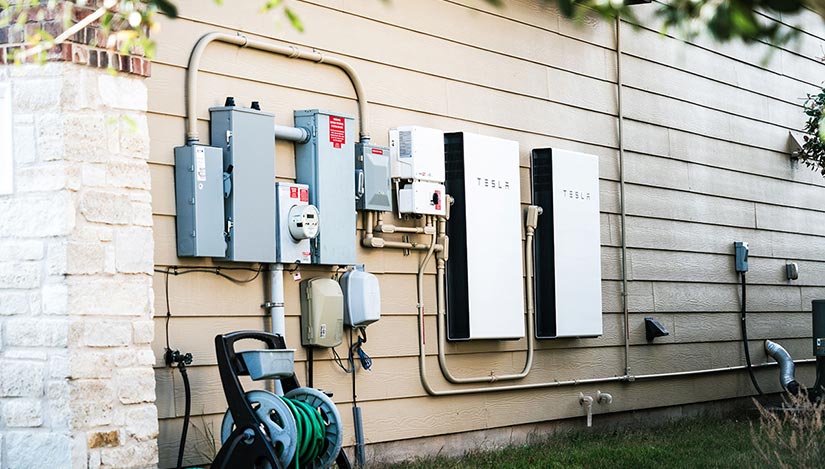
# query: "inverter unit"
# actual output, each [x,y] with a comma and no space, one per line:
[485,284]
[567,245]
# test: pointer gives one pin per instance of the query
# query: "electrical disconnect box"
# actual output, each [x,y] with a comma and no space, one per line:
[327,165]
[423,198]
[372,178]
[297,221]
[247,137]
[322,312]
[568,280]
[199,201]
[485,294]
[417,155]
[362,297]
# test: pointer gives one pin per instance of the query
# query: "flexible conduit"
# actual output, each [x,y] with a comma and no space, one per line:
[291,52]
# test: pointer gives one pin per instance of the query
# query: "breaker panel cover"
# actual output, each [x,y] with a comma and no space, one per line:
[291,250]
[568,254]
[322,312]
[362,298]
[199,201]
[247,137]
[327,165]
[417,153]
[485,294]
[372,178]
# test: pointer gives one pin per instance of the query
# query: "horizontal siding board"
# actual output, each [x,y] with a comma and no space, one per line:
[701,297]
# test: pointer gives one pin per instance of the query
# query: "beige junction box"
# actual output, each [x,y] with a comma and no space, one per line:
[322,312]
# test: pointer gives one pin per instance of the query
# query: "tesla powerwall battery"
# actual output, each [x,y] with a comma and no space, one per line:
[485,298]
[568,274]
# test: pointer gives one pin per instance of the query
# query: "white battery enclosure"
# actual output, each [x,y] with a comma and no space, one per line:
[289,249]
[422,198]
[417,153]
[362,298]
[568,254]
[485,297]
[322,312]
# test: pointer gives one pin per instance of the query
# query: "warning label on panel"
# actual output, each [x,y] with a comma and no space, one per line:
[377,151]
[200,163]
[337,131]
[293,192]
[304,195]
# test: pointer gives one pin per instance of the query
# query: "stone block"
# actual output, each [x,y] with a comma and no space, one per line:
[104,439]
[22,412]
[92,401]
[37,215]
[107,333]
[91,364]
[85,137]
[16,250]
[40,94]
[57,392]
[25,151]
[121,295]
[143,332]
[14,303]
[54,299]
[93,175]
[142,214]
[135,385]
[142,454]
[134,137]
[56,257]
[85,257]
[42,178]
[128,174]
[59,364]
[105,207]
[134,250]
[35,449]
[48,129]
[36,332]
[142,422]
[118,92]
[21,378]
[20,275]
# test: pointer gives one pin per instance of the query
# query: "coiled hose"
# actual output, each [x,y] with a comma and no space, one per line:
[311,430]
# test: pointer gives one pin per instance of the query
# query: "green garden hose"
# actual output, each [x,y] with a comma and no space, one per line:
[311,432]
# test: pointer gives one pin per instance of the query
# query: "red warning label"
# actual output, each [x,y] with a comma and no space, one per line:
[377,151]
[293,192]
[437,200]
[337,131]
[304,195]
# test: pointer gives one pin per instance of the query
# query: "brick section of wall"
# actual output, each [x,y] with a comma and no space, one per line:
[77,387]
[91,46]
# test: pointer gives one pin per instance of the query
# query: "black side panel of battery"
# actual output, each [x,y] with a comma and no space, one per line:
[458,300]
[545,275]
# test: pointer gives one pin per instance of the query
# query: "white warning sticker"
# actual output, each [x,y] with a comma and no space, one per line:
[200,163]
[323,334]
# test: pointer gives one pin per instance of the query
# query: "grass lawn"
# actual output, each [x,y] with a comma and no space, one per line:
[698,442]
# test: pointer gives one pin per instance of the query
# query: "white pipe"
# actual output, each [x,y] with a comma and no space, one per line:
[291,52]
[622,188]
[277,310]
[291,134]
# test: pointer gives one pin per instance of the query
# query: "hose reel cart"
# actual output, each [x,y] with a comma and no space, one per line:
[261,430]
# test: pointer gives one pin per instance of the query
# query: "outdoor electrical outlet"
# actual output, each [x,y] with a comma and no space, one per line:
[741,254]
[792,270]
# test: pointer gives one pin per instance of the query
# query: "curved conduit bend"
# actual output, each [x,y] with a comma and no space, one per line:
[291,52]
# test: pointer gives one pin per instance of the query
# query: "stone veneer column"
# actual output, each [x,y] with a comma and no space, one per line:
[77,388]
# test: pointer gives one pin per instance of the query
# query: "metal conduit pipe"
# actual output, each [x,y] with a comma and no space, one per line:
[291,52]
[622,188]
[371,241]
[292,134]
[441,305]
[786,366]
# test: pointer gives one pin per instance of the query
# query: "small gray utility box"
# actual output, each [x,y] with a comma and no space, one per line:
[199,201]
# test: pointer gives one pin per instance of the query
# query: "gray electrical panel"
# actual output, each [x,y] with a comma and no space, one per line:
[199,201]
[247,137]
[372,178]
[327,165]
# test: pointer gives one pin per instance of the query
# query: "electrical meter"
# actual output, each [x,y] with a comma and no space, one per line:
[303,222]
[297,222]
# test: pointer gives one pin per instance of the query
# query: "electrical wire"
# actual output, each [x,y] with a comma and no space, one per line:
[187,411]
[182,270]
[744,324]
[354,349]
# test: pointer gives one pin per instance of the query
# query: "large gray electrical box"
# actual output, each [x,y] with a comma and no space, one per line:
[322,312]
[372,178]
[327,165]
[247,137]
[199,201]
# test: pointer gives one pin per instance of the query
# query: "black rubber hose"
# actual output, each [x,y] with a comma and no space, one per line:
[186,413]
[744,324]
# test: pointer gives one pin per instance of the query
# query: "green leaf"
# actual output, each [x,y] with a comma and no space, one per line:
[294,19]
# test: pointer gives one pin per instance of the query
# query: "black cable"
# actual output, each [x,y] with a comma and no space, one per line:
[309,367]
[180,270]
[744,324]
[354,349]
[168,308]
[186,413]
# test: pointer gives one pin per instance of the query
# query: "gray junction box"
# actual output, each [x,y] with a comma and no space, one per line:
[247,137]
[327,165]
[199,201]
[372,178]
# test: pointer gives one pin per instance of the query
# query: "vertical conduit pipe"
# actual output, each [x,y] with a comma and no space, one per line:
[622,188]
[275,306]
